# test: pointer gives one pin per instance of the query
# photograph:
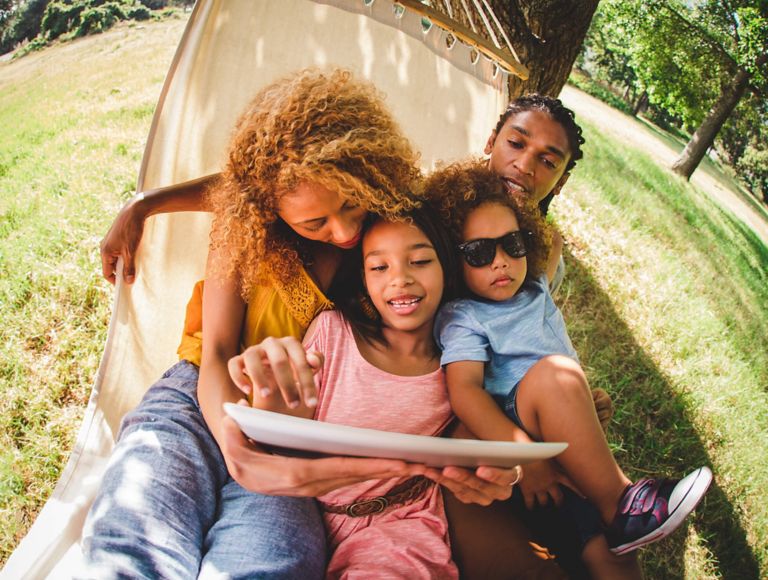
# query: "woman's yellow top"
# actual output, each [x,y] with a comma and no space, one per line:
[273,310]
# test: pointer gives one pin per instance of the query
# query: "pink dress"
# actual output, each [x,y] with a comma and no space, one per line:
[405,541]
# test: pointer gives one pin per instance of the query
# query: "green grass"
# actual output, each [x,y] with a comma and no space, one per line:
[666,296]
[667,302]
[74,122]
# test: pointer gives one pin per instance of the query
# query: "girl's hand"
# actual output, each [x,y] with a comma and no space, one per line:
[122,240]
[278,365]
[541,484]
[262,472]
[482,486]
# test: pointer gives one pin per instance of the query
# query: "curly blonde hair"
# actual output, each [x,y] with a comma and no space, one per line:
[314,127]
[459,188]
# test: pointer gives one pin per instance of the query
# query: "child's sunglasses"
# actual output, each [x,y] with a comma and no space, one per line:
[481,252]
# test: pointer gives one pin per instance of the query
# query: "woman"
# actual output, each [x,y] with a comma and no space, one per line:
[311,157]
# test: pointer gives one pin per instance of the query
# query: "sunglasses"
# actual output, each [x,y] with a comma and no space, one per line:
[481,252]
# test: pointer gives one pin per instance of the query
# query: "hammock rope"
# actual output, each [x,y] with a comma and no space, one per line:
[504,57]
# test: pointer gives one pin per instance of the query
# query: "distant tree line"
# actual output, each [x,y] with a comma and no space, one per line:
[40,21]
[695,66]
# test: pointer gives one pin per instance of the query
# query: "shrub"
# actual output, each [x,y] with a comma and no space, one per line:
[598,91]
[100,18]
[23,24]
[139,13]
[60,18]
[753,167]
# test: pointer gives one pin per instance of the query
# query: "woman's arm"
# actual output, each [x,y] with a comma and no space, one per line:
[223,313]
[124,236]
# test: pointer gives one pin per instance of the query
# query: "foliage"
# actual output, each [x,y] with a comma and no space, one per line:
[81,17]
[41,21]
[754,165]
[684,57]
[20,22]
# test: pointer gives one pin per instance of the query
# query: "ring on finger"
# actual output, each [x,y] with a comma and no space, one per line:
[519,475]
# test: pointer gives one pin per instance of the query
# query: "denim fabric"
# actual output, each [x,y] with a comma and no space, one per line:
[167,507]
[558,278]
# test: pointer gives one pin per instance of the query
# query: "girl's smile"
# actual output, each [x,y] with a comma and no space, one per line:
[403,276]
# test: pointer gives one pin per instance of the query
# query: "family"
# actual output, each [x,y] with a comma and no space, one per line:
[344,286]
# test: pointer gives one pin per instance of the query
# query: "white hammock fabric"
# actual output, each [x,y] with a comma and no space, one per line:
[447,99]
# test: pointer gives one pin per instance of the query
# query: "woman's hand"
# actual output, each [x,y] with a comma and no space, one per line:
[262,472]
[482,486]
[278,365]
[123,237]
[122,240]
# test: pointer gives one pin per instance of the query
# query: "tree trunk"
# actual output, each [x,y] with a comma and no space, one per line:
[641,104]
[547,36]
[704,137]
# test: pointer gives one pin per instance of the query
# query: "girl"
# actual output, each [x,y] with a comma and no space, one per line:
[373,362]
[312,155]
[512,373]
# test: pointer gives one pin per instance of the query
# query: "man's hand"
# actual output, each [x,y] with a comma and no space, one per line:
[122,240]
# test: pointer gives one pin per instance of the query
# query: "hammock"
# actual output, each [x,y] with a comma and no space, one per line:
[446,88]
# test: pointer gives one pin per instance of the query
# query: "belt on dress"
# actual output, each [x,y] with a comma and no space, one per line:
[403,493]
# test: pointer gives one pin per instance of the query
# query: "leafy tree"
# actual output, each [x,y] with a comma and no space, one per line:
[19,21]
[738,39]
[695,62]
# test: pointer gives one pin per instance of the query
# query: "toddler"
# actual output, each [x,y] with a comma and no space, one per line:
[512,373]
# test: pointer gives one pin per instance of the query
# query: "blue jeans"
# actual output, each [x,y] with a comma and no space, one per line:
[167,507]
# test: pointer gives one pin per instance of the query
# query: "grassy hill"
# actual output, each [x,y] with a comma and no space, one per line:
[666,296]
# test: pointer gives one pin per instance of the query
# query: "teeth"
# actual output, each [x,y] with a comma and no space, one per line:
[404,302]
[514,186]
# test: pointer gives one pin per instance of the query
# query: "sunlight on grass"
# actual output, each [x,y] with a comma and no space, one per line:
[74,121]
[691,286]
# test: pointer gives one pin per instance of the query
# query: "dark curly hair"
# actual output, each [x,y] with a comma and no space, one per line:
[459,188]
[555,109]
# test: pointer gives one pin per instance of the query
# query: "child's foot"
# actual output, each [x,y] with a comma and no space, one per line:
[652,509]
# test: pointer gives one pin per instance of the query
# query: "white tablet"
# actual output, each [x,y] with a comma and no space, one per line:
[330,439]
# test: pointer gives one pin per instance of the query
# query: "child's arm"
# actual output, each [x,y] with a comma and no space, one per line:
[124,235]
[475,407]
[273,362]
[480,414]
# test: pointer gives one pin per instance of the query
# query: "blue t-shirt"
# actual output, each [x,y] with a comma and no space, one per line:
[509,336]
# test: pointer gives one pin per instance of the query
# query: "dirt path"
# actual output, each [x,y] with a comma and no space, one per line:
[636,134]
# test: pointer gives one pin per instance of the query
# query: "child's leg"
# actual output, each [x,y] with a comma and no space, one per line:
[554,404]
